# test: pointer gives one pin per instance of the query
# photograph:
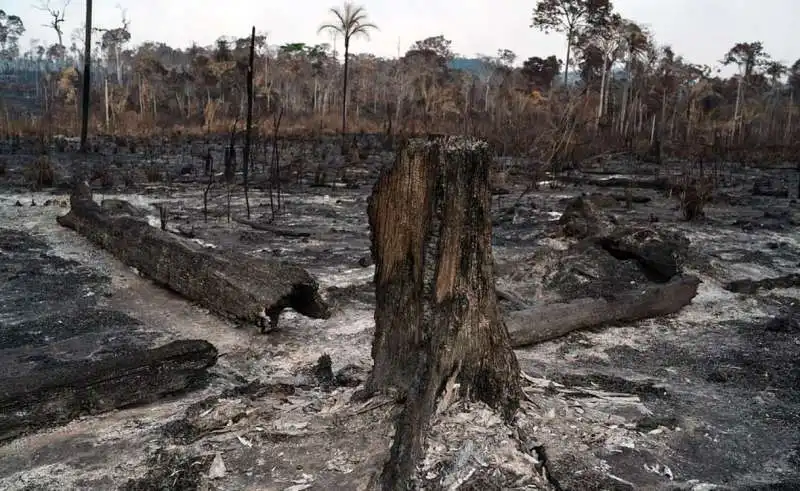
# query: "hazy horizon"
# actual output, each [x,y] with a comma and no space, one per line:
[685,25]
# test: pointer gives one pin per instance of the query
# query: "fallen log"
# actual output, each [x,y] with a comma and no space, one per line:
[633,199]
[659,183]
[748,286]
[273,229]
[226,282]
[554,320]
[63,390]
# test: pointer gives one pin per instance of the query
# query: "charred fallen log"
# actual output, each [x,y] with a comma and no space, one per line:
[554,320]
[62,391]
[748,286]
[660,183]
[228,283]
[264,227]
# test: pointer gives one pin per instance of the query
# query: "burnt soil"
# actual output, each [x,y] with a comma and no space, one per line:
[709,396]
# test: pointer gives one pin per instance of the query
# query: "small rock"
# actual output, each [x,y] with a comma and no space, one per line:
[350,376]
[582,219]
[323,370]
[786,322]
[366,261]
[217,469]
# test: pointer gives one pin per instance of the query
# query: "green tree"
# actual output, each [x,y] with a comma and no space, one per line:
[568,17]
[748,57]
[349,21]
[11,28]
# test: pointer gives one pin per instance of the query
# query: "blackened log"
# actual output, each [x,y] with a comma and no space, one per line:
[791,280]
[62,391]
[551,321]
[436,310]
[659,183]
[226,282]
[285,232]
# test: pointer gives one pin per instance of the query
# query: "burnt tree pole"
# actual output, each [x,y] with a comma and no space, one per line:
[246,151]
[436,318]
[87,72]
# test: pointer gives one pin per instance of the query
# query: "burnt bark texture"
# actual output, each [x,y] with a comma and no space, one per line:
[64,390]
[436,313]
[554,320]
[226,282]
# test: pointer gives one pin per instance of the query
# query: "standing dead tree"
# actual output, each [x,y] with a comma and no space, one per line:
[249,129]
[87,65]
[275,178]
[436,317]
[56,19]
[230,165]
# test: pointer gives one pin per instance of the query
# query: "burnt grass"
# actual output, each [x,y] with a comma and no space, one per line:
[723,391]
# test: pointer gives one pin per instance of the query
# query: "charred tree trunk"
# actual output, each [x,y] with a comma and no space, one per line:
[87,72]
[228,283]
[246,151]
[436,315]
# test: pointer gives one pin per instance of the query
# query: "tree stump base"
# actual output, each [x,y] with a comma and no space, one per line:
[436,313]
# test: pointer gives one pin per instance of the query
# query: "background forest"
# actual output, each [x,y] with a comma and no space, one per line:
[614,88]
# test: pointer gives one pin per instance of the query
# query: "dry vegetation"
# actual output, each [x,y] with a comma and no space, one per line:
[631,94]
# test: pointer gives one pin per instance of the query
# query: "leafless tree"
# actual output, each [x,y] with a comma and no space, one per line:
[56,17]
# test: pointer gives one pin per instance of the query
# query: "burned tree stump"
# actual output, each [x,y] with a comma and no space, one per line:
[436,310]
[228,283]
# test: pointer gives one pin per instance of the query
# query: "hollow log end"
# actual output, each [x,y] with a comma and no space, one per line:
[306,299]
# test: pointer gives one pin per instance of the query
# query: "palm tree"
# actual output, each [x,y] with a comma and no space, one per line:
[349,20]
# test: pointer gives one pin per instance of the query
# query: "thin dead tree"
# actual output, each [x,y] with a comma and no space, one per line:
[230,165]
[248,131]
[56,18]
[210,173]
[437,325]
[87,65]
[275,178]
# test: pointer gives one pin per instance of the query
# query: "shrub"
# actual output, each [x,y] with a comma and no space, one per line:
[153,173]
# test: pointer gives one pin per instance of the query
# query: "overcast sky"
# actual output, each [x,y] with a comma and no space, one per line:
[700,30]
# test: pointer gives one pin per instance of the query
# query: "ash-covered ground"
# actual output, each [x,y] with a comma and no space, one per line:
[707,397]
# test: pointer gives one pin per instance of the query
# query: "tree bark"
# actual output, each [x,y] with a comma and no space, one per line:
[63,390]
[436,310]
[551,321]
[228,283]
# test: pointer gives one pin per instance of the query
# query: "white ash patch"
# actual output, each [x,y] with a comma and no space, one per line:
[467,438]
[341,277]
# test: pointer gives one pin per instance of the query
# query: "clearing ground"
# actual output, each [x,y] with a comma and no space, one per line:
[706,397]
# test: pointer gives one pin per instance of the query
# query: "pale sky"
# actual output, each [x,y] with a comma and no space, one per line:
[700,30]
